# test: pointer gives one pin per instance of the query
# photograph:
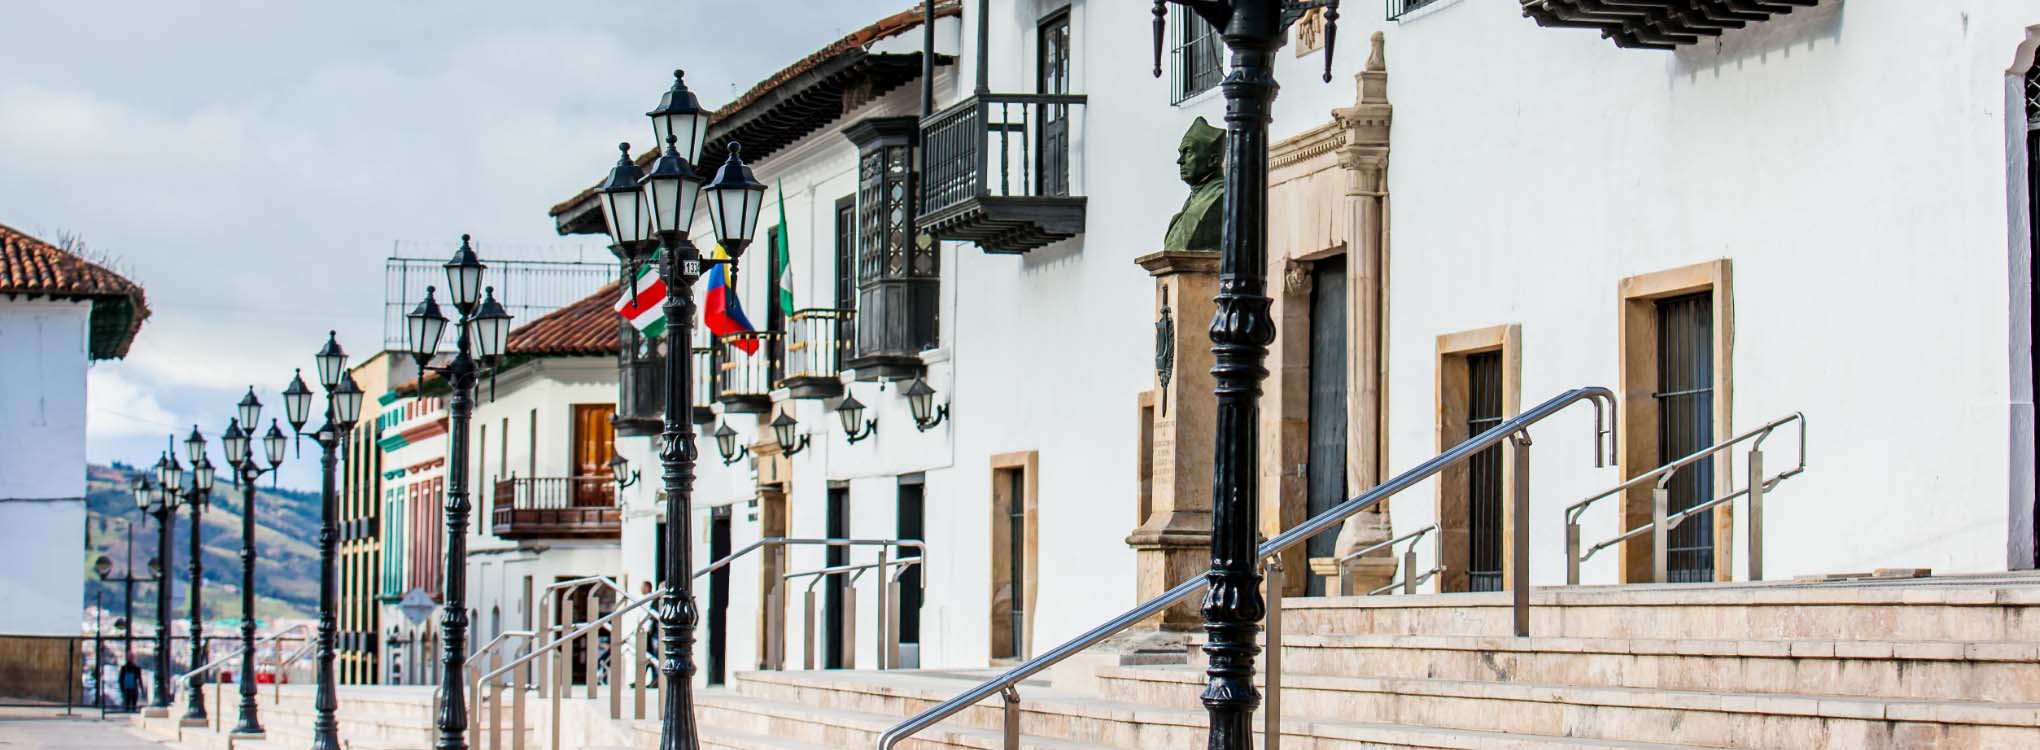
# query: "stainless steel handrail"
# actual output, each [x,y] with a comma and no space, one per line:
[798,541]
[1410,577]
[1663,521]
[235,653]
[1007,684]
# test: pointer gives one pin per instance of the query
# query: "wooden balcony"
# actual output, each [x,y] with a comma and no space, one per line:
[999,171]
[556,508]
[1657,24]
[817,341]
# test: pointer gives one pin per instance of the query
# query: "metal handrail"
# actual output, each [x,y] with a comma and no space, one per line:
[798,541]
[235,654]
[1007,684]
[1663,476]
[1410,537]
[1410,577]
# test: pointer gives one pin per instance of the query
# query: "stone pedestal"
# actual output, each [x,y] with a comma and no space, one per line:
[1173,542]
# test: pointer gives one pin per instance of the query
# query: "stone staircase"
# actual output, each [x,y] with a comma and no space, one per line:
[1950,662]
[397,717]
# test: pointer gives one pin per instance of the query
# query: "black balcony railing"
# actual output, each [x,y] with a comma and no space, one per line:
[817,342]
[1000,172]
[745,378]
[556,507]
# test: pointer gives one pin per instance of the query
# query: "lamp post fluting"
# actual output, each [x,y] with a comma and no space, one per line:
[343,407]
[484,329]
[238,442]
[197,498]
[656,209]
[1241,330]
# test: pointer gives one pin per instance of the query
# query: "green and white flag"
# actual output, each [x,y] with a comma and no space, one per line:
[642,301]
[783,255]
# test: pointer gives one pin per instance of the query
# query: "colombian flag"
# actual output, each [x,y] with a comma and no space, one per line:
[721,311]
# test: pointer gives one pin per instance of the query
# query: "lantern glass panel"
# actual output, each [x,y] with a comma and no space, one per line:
[347,401]
[331,360]
[726,440]
[463,278]
[140,487]
[250,408]
[297,401]
[235,443]
[426,325]
[851,411]
[194,446]
[273,443]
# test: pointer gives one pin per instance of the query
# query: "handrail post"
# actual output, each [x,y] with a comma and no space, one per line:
[1519,532]
[1660,537]
[1572,551]
[1756,514]
[880,620]
[891,651]
[1271,704]
[1012,720]
[517,705]
[807,631]
[849,618]
[1409,562]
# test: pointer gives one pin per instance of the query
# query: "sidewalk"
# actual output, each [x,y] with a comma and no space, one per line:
[50,729]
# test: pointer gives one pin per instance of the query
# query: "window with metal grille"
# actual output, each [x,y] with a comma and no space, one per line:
[1685,403]
[1397,8]
[1484,474]
[1196,55]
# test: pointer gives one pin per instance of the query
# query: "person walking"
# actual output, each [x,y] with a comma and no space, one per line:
[130,686]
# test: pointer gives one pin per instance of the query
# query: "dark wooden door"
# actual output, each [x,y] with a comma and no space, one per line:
[1484,474]
[833,643]
[718,597]
[1685,401]
[912,525]
[1052,160]
[1326,471]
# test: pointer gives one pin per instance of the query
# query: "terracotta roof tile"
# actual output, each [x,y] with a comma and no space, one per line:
[585,327]
[33,267]
[884,28]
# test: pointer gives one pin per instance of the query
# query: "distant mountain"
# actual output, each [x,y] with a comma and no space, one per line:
[286,549]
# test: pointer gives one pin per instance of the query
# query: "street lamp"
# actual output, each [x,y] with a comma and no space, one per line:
[786,430]
[663,202]
[143,495]
[921,401]
[619,468]
[160,495]
[855,426]
[343,408]
[238,441]
[1241,330]
[726,444]
[484,329]
[197,496]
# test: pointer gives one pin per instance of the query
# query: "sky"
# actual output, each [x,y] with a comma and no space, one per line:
[252,162]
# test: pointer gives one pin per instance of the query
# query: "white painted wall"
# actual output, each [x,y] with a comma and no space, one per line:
[43,358]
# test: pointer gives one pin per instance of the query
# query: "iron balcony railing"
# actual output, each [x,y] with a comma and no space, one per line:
[817,341]
[748,368]
[1515,430]
[1664,521]
[1004,145]
[555,506]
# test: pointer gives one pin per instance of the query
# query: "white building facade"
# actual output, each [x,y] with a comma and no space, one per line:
[1824,213]
[58,315]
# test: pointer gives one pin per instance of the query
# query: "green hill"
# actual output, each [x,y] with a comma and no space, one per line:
[286,548]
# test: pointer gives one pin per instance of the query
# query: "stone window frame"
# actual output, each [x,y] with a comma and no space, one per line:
[1028,463]
[1454,540]
[1636,313]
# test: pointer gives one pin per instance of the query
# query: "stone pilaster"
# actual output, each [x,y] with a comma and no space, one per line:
[1173,544]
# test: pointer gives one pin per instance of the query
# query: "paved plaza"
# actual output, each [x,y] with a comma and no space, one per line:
[45,728]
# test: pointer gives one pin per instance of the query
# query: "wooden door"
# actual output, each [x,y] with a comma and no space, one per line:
[594,445]
[1325,472]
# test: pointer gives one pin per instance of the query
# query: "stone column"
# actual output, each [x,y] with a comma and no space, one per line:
[1173,544]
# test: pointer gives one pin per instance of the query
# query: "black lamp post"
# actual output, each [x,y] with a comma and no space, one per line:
[484,329]
[197,497]
[343,407]
[160,498]
[104,567]
[1241,330]
[238,443]
[641,209]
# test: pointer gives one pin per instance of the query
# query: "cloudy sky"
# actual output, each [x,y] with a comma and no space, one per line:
[252,162]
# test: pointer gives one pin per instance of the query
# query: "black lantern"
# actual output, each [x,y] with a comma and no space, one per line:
[726,444]
[680,119]
[194,447]
[463,280]
[491,327]
[273,443]
[671,191]
[786,430]
[332,361]
[103,566]
[202,477]
[921,399]
[623,202]
[734,200]
[297,399]
[250,409]
[347,400]
[145,493]
[234,442]
[172,474]
[855,426]
[619,467]
[425,324]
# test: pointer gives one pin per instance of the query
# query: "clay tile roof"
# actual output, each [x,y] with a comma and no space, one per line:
[29,266]
[585,327]
[856,41]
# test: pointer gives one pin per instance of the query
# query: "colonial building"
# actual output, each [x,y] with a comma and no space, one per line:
[412,439]
[59,314]
[361,518]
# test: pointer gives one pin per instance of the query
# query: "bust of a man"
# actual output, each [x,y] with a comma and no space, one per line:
[1200,161]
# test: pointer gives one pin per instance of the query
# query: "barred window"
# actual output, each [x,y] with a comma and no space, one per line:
[1197,55]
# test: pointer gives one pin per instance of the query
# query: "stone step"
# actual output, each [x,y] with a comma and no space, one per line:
[2001,607]
[2006,671]
[1045,713]
[1708,718]
[840,728]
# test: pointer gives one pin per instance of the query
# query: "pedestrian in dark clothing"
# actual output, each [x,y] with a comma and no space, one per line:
[130,686]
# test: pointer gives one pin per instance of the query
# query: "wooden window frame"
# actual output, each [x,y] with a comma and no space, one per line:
[1454,538]
[1028,463]
[1638,442]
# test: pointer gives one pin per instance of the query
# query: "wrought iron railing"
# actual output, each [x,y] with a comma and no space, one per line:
[817,341]
[1396,8]
[1005,145]
[540,506]
[748,367]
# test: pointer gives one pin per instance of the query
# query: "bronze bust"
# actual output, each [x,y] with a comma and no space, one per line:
[1200,161]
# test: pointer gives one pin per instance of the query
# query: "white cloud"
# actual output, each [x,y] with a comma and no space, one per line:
[120,408]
